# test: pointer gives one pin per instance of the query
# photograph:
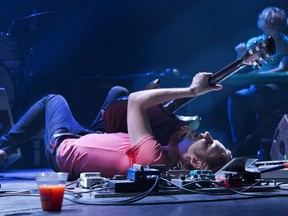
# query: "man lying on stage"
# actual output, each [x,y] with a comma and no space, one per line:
[74,149]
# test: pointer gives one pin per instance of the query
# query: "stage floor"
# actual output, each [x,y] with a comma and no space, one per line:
[25,201]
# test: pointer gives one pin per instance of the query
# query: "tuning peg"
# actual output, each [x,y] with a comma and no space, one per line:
[251,52]
[260,58]
[257,63]
[257,48]
[264,44]
[265,62]
[269,56]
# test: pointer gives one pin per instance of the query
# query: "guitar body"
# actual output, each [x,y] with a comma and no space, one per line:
[162,124]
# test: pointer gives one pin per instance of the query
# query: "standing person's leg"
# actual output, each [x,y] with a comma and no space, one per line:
[115,93]
[242,119]
[237,112]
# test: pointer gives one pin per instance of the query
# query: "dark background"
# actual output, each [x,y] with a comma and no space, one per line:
[81,48]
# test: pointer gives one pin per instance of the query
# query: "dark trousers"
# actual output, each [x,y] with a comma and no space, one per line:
[52,113]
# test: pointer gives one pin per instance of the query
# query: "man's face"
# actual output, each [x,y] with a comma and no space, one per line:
[205,147]
[272,31]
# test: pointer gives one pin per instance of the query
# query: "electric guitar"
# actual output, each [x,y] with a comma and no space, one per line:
[162,117]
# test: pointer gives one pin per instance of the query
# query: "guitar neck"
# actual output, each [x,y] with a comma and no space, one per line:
[172,106]
[227,71]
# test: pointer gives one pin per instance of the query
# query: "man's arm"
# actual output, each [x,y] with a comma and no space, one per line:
[283,66]
[240,49]
[138,123]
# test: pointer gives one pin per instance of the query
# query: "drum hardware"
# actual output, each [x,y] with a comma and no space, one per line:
[10,51]
[27,23]
[16,50]
[8,83]
[34,15]
[22,30]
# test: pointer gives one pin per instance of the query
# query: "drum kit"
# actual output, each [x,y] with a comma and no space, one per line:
[12,51]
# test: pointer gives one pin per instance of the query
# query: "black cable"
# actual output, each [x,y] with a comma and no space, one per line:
[132,201]
[77,196]
[230,191]
[143,195]
[175,201]
[120,202]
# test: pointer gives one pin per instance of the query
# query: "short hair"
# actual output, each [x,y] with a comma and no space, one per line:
[272,17]
[218,162]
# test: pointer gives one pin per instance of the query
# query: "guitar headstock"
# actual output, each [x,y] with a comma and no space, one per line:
[262,50]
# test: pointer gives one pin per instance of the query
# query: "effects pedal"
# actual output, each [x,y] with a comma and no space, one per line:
[195,179]
[142,174]
[90,179]
[139,179]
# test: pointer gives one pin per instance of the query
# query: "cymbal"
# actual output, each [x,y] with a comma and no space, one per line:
[34,15]
[20,24]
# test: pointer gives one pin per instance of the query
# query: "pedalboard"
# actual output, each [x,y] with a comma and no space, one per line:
[144,178]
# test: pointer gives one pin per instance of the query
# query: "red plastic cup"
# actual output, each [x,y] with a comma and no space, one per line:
[51,187]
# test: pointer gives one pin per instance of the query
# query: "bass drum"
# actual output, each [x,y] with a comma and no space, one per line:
[7,82]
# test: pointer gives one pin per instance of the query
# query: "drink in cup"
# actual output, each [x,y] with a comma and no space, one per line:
[51,187]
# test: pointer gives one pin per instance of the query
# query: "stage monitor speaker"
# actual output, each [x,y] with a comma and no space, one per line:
[279,148]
